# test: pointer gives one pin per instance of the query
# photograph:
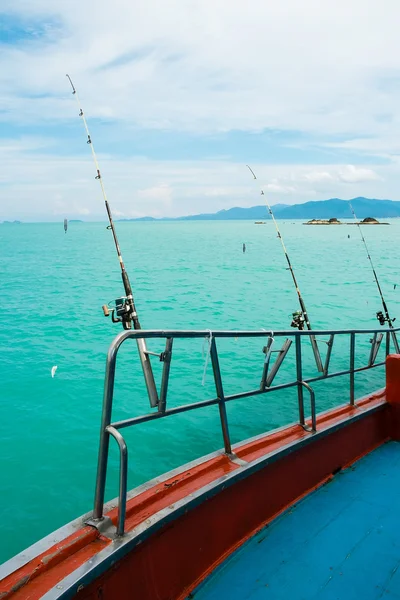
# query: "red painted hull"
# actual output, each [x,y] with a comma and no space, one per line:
[181,528]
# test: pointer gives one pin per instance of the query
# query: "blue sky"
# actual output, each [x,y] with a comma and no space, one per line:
[180,95]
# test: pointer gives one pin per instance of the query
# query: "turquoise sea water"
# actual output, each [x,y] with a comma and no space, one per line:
[185,275]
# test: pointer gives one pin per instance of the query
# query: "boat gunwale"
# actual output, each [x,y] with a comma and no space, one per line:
[120,547]
[58,535]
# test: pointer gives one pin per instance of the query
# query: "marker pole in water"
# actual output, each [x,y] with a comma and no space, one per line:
[125,307]
[382,318]
[298,319]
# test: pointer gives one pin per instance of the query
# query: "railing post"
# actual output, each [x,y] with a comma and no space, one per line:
[123,478]
[395,343]
[387,343]
[313,428]
[352,359]
[104,434]
[221,398]
[299,375]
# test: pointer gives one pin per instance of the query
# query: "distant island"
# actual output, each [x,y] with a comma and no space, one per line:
[11,222]
[319,210]
[334,221]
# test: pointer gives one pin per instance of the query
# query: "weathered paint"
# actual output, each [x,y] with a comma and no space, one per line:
[180,554]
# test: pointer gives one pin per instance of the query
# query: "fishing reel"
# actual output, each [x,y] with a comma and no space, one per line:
[120,310]
[297,320]
[382,319]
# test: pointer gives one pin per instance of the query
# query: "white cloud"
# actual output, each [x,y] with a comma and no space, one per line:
[318,176]
[159,192]
[43,186]
[279,188]
[217,192]
[345,174]
[352,174]
[207,65]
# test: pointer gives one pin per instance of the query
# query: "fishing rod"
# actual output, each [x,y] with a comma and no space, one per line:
[300,318]
[125,310]
[383,317]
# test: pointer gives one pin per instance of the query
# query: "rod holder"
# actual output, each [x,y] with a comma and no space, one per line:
[147,372]
[166,357]
[328,354]
[317,355]
[267,378]
[375,345]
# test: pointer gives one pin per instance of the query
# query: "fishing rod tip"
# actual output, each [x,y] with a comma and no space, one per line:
[72,85]
[251,171]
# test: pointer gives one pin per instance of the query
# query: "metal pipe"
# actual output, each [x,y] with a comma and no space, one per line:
[328,354]
[165,375]
[230,398]
[371,352]
[276,366]
[158,415]
[395,342]
[147,372]
[268,353]
[193,334]
[375,345]
[352,359]
[299,375]
[123,478]
[104,435]
[221,398]
[313,411]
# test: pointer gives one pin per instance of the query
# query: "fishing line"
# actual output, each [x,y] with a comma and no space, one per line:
[300,318]
[382,318]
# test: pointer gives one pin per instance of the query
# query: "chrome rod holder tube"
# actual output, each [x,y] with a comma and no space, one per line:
[147,372]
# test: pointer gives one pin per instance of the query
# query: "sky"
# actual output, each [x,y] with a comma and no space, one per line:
[181,94]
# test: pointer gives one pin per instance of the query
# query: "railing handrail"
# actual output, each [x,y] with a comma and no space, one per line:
[226,333]
[109,428]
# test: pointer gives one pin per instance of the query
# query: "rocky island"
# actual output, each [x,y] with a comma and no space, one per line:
[323,222]
[369,221]
[366,221]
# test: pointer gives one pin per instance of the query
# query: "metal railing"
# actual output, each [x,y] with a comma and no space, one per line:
[268,373]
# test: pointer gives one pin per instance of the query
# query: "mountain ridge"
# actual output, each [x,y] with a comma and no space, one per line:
[314,209]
